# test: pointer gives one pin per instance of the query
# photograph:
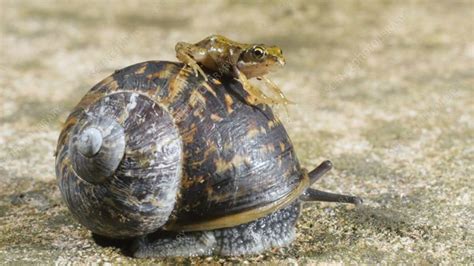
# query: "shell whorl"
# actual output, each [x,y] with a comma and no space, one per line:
[97,149]
[120,169]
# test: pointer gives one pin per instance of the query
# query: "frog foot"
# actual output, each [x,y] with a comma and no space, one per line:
[198,70]
[255,95]
[276,90]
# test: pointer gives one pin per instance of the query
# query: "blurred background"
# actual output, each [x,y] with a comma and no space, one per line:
[382,88]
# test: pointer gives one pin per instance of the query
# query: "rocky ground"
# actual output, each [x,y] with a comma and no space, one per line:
[382,88]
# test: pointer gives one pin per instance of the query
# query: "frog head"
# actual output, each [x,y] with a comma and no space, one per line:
[259,60]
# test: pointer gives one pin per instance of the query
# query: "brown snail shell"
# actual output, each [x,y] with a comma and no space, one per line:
[153,147]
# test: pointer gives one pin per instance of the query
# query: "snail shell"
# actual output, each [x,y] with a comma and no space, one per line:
[154,147]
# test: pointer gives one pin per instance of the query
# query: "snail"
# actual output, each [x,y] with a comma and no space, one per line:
[182,166]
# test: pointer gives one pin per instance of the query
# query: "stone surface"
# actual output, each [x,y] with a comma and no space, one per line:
[382,88]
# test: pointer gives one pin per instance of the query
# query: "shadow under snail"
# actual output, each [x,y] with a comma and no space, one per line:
[181,166]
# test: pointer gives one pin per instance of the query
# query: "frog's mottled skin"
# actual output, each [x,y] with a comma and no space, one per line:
[242,61]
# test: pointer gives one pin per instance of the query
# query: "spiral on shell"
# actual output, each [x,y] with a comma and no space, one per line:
[124,153]
[97,148]
[155,147]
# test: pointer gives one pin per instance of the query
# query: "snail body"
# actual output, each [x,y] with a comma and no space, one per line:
[181,165]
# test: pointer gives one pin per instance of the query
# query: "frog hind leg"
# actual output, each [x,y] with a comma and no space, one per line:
[184,54]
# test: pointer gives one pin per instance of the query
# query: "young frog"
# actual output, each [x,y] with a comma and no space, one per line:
[242,61]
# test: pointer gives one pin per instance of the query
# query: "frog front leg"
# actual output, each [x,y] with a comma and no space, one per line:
[187,53]
[255,95]
[272,86]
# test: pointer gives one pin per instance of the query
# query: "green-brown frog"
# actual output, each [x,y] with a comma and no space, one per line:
[242,61]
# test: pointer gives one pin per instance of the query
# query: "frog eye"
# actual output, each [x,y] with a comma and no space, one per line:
[259,52]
